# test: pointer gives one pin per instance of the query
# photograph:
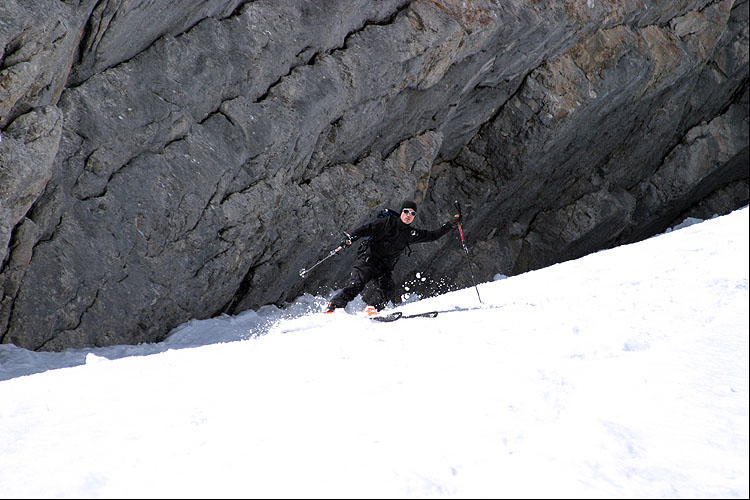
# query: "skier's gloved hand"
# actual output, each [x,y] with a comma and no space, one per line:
[456,219]
[348,240]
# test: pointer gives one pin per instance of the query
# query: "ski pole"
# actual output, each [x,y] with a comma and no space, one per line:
[303,272]
[466,251]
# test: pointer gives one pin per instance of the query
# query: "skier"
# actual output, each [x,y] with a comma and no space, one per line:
[385,240]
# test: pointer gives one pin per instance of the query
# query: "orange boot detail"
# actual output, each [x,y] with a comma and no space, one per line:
[370,311]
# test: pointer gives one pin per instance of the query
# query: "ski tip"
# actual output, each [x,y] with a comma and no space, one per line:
[385,318]
[398,315]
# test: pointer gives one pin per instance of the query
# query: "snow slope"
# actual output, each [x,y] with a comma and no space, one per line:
[623,374]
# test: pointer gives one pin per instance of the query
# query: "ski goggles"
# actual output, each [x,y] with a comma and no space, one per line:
[408,211]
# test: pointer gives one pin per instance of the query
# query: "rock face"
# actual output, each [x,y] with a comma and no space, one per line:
[165,160]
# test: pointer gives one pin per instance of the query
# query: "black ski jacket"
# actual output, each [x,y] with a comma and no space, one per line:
[389,236]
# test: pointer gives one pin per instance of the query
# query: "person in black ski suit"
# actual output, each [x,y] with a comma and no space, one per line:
[388,237]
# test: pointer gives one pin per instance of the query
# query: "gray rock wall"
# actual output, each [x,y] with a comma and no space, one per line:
[159,164]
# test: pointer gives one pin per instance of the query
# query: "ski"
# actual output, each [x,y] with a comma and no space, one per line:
[387,318]
[431,314]
[483,307]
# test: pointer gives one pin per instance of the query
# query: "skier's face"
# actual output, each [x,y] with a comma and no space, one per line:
[407,215]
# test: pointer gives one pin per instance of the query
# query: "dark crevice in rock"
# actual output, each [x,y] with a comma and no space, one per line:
[43,345]
[175,140]
[4,332]
[104,189]
[385,22]
[243,288]
[298,55]
[87,308]
[713,65]
[90,38]
[313,57]
[95,196]
[11,55]
[736,97]
[248,186]
[237,12]
[51,237]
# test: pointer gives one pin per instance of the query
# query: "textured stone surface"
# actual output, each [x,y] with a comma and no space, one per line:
[160,164]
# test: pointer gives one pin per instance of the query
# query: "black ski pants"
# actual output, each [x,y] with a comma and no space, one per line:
[363,272]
